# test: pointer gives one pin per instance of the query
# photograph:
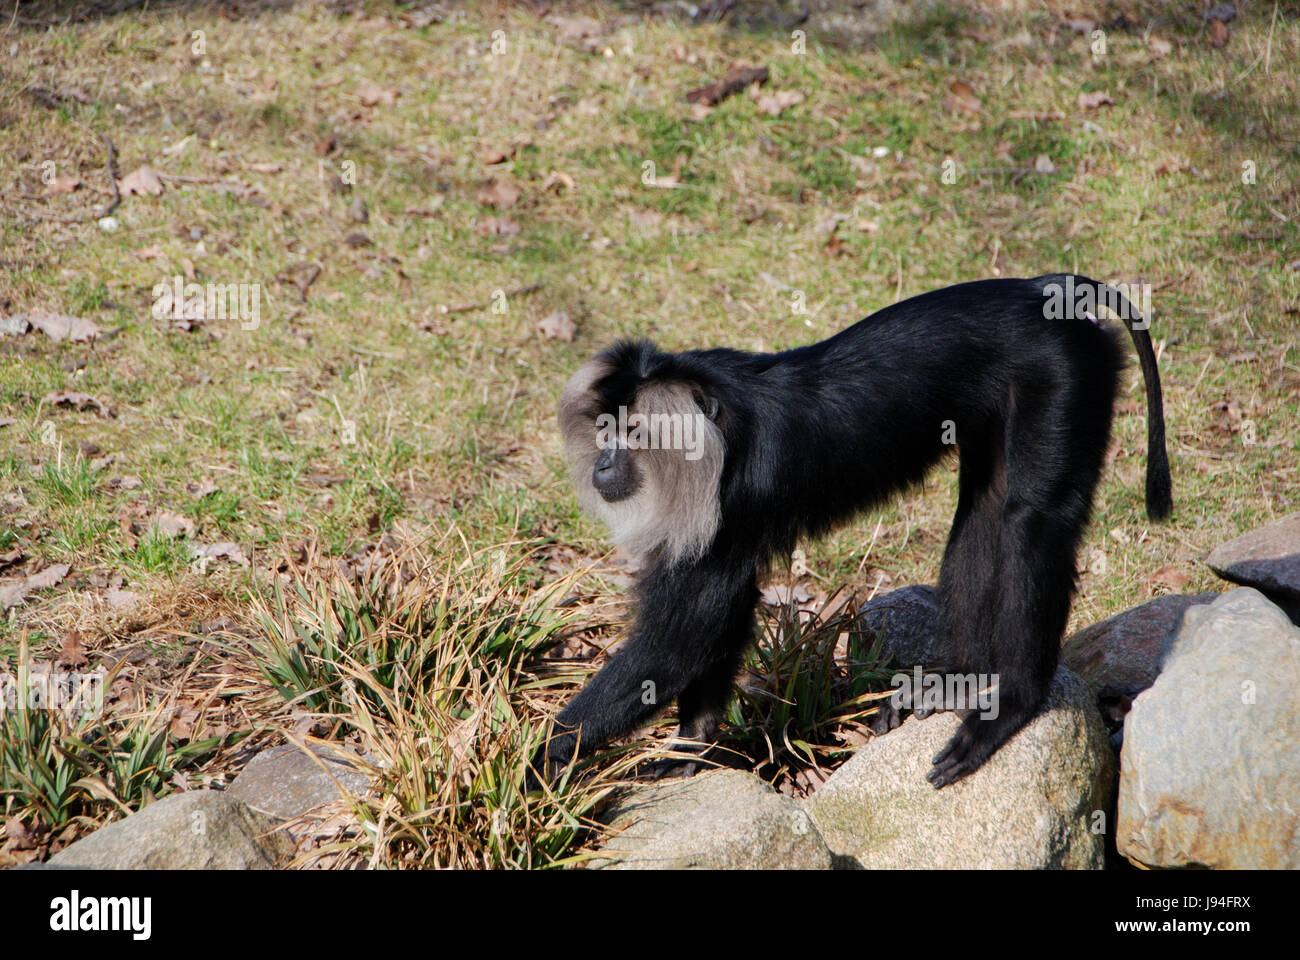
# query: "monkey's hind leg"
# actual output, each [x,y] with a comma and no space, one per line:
[1051,474]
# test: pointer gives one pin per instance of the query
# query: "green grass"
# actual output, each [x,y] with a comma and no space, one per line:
[454,411]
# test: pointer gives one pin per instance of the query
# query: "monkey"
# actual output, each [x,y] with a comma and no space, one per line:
[708,464]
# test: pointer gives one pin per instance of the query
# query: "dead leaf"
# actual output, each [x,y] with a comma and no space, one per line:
[557,326]
[1218,34]
[122,599]
[78,401]
[1161,48]
[1043,164]
[773,104]
[72,652]
[492,155]
[1095,99]
[498,194]
[59,326]
[556,177]
[961,97]
[497,227]
[579,31]
[200,488]
[219,551]
[49,577]
[140,182]
[265,167]
[371,93]
[172,525]
[61,185]
[1170,576]
[151,252]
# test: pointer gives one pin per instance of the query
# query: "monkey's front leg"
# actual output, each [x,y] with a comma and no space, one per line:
[692,618]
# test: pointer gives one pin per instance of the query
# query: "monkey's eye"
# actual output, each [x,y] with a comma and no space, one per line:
[707,404]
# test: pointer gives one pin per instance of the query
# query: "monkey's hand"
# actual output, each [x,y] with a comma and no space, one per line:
[551,758]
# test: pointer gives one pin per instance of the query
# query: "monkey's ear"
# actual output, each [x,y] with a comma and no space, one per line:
[707,403]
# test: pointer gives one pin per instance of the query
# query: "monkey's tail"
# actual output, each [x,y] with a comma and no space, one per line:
[1159,485]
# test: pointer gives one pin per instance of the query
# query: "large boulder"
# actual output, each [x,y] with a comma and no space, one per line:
[718,820]
[200,830]
[1041,801]
[1267,559]
[1210,772]
[1126,650]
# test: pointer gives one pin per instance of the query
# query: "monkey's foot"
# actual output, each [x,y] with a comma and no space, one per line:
[975,741]
[892,710]
[691,757]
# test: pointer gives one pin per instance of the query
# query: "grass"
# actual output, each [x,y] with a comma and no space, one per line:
[362,408]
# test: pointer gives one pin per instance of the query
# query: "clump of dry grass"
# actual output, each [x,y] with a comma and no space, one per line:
[422,658]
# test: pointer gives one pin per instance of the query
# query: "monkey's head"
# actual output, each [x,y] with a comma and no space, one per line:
[641,430]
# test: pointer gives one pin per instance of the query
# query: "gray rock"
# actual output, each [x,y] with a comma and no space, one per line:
[200,830]
[906,621]
[285,782]
[1126,650]
[1210,773]
[1041,801]
[718,820]
[1267,559]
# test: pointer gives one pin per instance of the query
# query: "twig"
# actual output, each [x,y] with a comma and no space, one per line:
[467,307]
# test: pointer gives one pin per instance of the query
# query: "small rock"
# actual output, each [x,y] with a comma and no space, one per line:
[1267,559]
[907,623]
[718,820]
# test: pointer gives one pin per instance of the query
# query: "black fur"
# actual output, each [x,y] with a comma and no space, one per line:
[816,434]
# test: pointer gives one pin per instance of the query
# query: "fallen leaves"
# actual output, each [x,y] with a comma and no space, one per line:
[557,326]
[581,32]
[214,551]
[1217,34]
[497,194]
[58,186]
[774,104]
[1161,48]
[58,326]
[16,592]
[1095,99]
[72,651]
[1170,577]
[78,401]
[171,525]
[497,227]
[371,94]
[961,98]
[141,182]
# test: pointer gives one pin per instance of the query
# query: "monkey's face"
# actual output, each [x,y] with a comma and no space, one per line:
[646,452]
[615,474]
